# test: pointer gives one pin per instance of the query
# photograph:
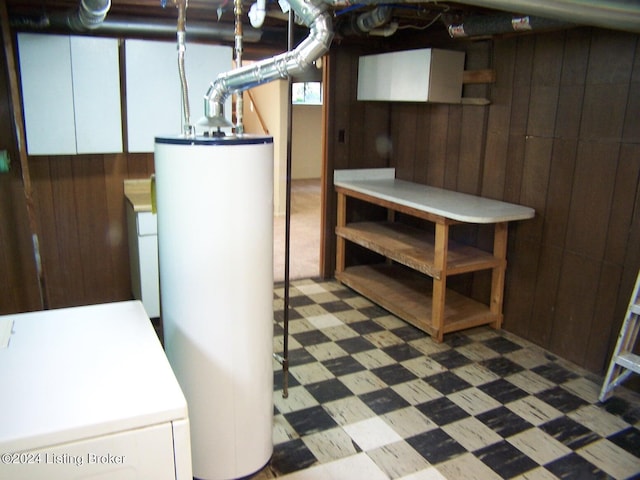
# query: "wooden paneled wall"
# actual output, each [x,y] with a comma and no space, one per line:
[81,210]
[562,135]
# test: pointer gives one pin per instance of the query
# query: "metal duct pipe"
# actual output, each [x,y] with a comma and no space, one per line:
[612,14]
[89,15]
[314,15]
[140,27]
[373,19]
[161,28]
[368,21]
[495,24]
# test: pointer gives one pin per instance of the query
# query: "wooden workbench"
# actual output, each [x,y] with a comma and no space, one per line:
[412,282]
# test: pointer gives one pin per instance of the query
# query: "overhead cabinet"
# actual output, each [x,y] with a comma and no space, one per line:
[71,94]
[154,98]
[423,75]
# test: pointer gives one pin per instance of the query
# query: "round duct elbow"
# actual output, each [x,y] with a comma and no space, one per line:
[89,15]
[366,22]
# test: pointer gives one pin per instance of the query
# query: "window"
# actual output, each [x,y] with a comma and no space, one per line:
[307,93]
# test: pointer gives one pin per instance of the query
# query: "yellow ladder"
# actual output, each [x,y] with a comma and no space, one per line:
[623,361]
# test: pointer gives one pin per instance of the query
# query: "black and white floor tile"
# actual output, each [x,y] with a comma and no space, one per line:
[371,397]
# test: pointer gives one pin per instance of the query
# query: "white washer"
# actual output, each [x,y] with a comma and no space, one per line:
[87,392]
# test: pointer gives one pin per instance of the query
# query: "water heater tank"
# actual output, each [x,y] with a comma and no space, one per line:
[215,245]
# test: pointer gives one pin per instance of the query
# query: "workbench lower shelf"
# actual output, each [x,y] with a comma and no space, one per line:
[407,294]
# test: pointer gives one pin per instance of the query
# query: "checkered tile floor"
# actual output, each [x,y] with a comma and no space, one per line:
[371,397]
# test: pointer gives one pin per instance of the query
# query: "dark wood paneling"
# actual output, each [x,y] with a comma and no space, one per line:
[587,225]
[18,278]
[452,152]
[535,179]
[575,306]
[560,135]
[520,283]
[604,311]
[115,167]
[81,212]
[405,115]
[434,160]
[538,324]
[18,281]
[472,142]
[558,202]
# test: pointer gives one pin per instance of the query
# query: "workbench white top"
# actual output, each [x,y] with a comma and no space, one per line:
[381,183]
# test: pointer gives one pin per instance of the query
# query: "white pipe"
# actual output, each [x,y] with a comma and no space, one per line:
[187,128]
[257,12]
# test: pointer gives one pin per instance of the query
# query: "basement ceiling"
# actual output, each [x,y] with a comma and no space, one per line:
[428,20]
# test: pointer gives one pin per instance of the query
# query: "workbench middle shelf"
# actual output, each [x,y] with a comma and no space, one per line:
[415,248]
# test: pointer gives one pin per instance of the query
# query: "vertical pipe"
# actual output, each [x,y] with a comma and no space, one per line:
[187,127]
[287,222]
[237,9]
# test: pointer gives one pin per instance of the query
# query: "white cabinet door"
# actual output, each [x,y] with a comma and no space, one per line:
[71,94]
[47,93]
[422,75]
[203,64]
[154,94]
[96,90]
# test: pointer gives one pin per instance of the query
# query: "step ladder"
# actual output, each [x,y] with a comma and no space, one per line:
[623,361]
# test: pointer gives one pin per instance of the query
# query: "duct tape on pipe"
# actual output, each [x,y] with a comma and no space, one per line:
[457,31]
[521,24]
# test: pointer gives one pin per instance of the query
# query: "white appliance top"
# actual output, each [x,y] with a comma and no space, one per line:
[381,183]
[73,373]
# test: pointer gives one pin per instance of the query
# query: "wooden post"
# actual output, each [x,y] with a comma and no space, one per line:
[341,222]
[498,273]
[439,278]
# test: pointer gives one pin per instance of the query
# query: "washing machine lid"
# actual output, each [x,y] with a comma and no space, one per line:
[75,373]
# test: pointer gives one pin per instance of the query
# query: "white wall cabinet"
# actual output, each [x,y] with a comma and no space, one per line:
[154,98]
[71,94]
[423,75]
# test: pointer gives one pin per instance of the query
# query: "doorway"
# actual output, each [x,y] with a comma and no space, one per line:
[265,112]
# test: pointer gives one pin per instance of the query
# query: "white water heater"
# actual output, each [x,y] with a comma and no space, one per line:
[215,244]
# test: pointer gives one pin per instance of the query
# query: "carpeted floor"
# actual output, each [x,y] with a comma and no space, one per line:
[305,233]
